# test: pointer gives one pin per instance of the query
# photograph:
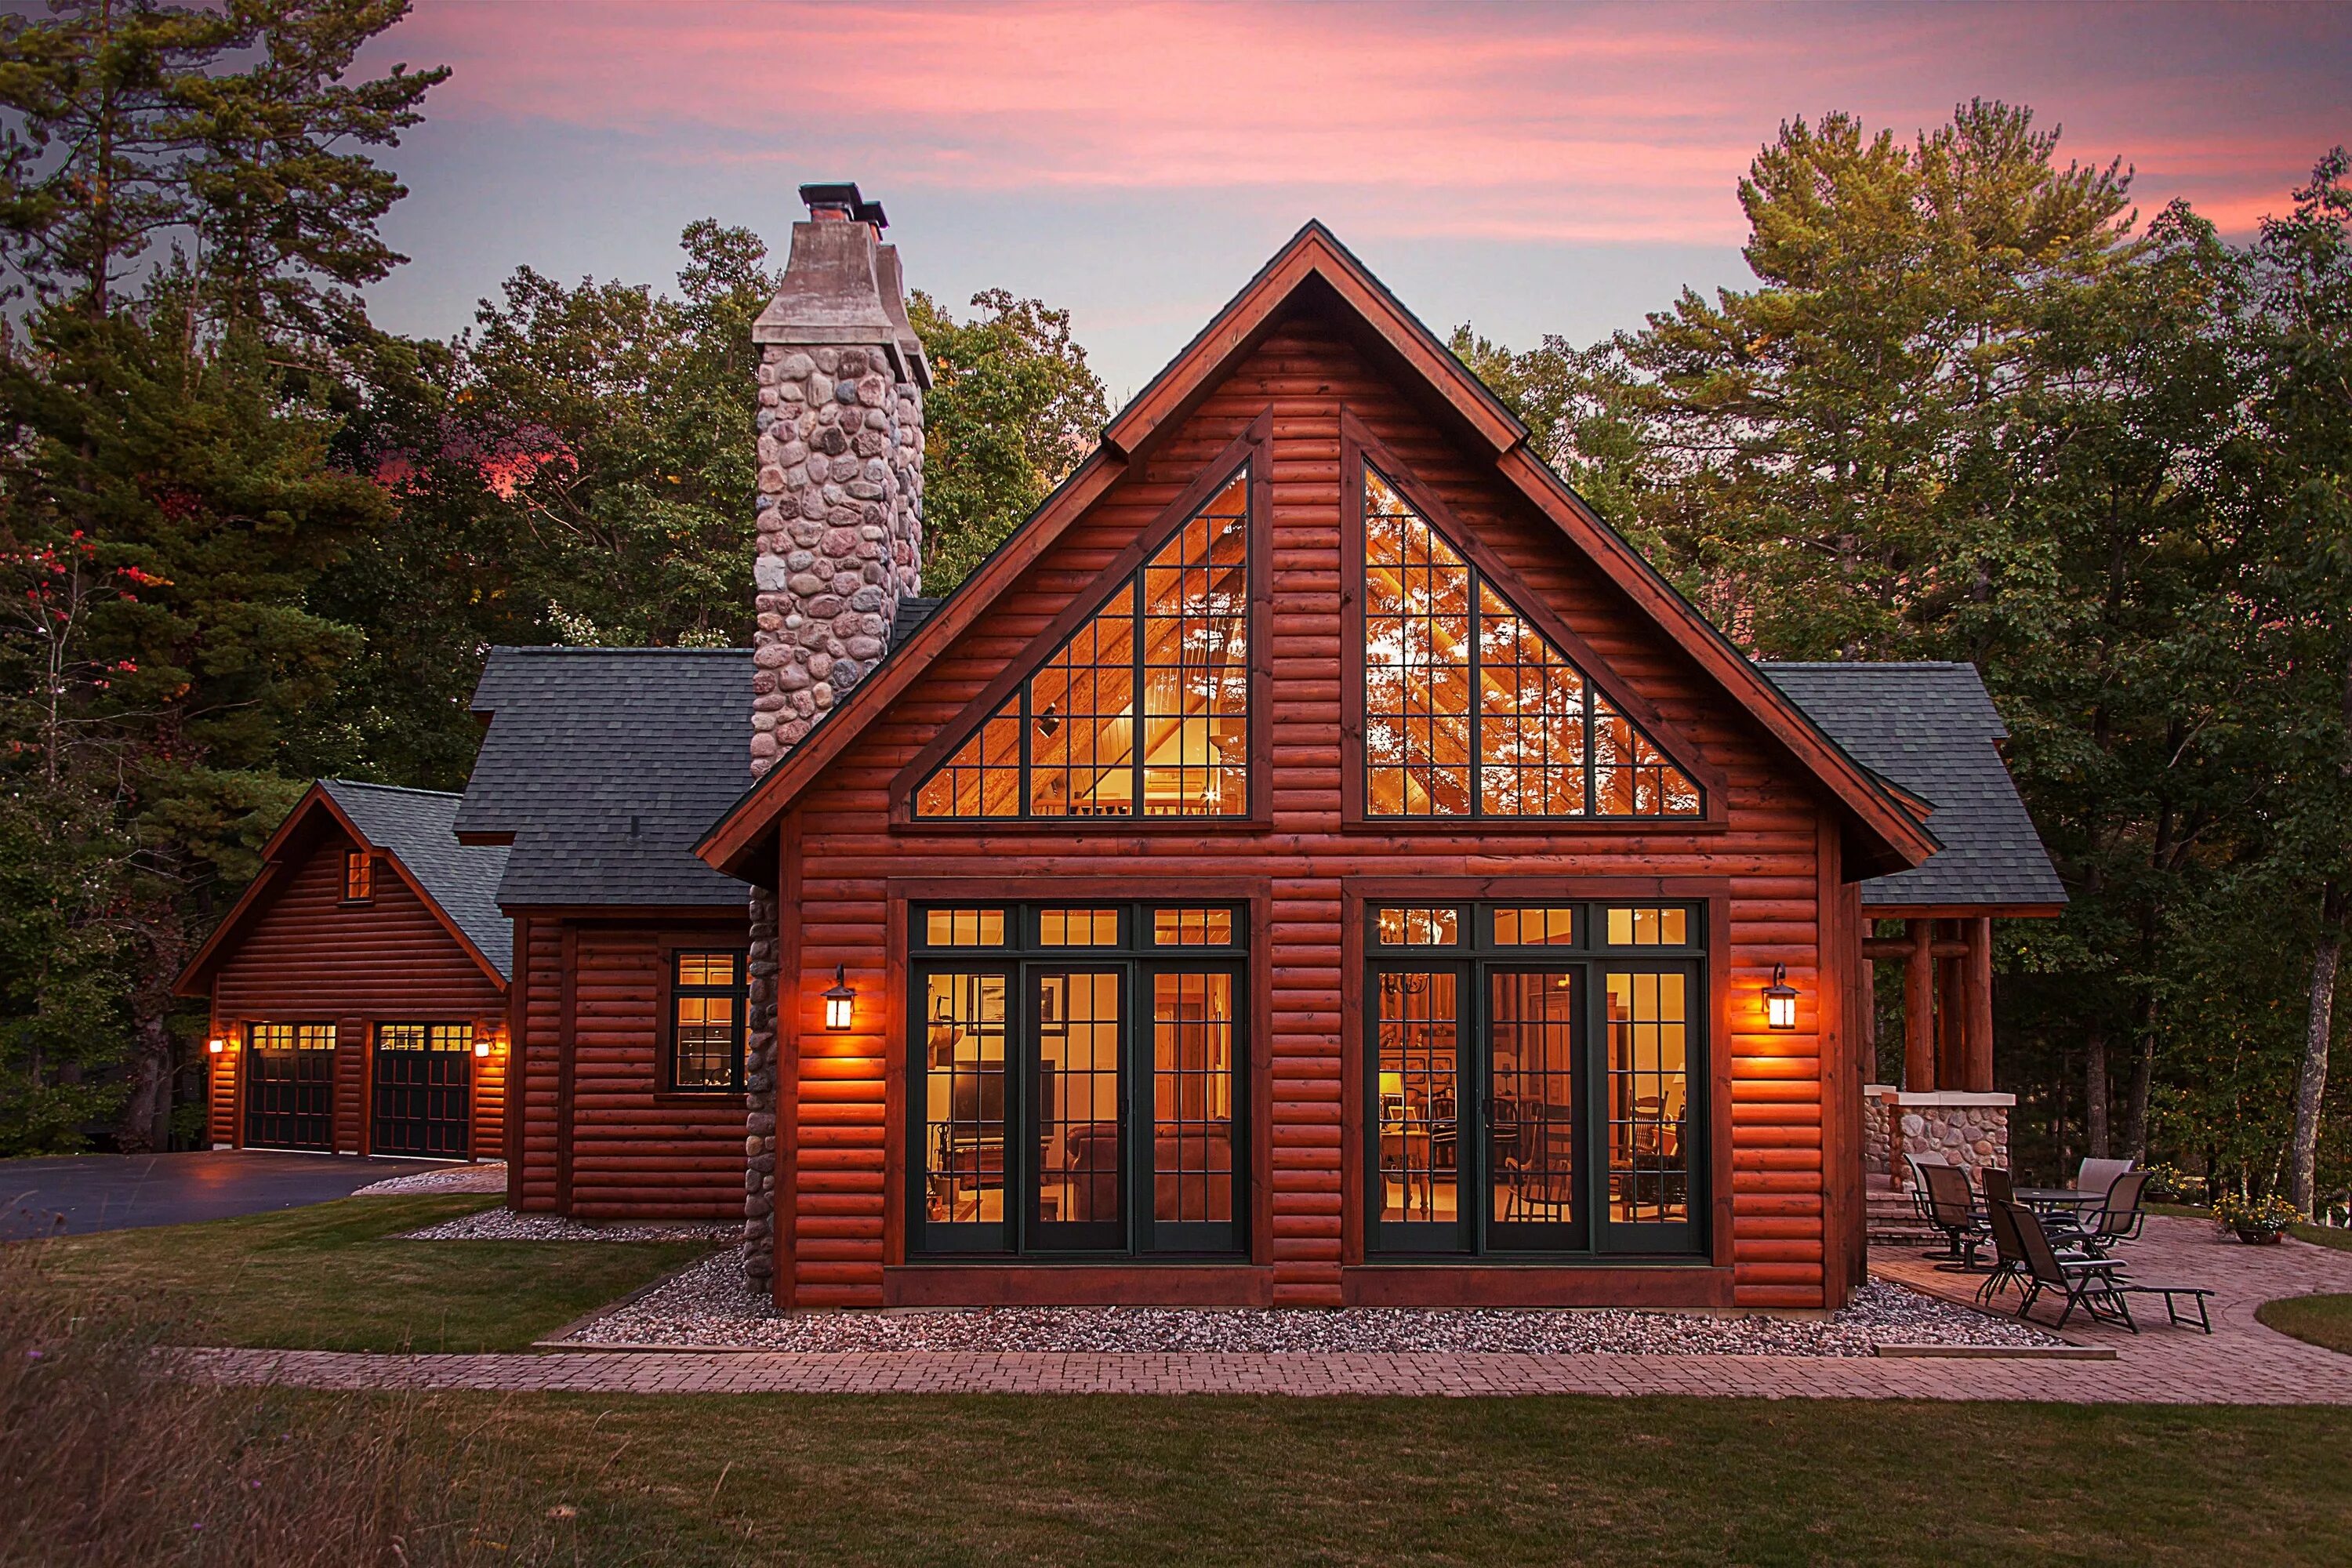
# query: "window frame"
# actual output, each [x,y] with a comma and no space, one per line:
[666,1086]
[364,862]
[1021,962]
[1359,448]
[1249,455]
[1589,1236]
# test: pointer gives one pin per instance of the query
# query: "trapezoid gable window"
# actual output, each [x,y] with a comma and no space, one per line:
[1143,710]
[1470,709]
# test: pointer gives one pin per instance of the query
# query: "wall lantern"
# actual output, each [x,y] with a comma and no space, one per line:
[215,1045]
[839,999]
[1780,1000]
[481,1045]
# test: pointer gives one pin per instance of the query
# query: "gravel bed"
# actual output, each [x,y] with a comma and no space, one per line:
[490,1176]
[505,1224]
[705,1304]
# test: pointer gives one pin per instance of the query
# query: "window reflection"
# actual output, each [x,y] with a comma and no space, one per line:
[1649,1104]
[963,1099]
[1545,744]
[1143,710]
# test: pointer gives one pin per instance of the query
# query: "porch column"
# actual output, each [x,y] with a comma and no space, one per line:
[1919,1008]
[1951,981]
[1976,1006]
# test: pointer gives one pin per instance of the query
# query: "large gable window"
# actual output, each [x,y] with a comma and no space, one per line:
[1469,709]
[1143,710]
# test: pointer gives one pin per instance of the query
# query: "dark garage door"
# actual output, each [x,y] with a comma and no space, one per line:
[289,1086]
[423,1089]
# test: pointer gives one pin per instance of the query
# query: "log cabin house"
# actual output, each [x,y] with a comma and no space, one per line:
[1315,860]
[358,986]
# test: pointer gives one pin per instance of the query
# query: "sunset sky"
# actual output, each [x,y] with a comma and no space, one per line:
[1528,168]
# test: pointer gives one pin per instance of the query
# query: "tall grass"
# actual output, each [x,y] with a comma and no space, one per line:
[107,1457]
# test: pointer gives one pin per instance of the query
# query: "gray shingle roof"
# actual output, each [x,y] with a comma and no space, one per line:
[912,613]
[416,826]
[1931,728]
[607,766]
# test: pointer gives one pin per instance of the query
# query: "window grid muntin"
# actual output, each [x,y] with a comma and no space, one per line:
[1649,1019]
[1204,570]
[1665,1183]
[1137,924]
[1199,1181]
[964,1136]
[1418,1083]
[1649,766]
[359,876]
[1417,925]
[1127,604]
[1080,925]
[706,1020]
[978,926]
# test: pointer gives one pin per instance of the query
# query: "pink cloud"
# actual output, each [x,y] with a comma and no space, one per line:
[1609,123]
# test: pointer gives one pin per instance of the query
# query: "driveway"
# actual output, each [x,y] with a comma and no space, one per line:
[118,1191]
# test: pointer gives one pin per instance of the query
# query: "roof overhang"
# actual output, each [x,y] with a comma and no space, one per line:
[1882,830]
[293,836]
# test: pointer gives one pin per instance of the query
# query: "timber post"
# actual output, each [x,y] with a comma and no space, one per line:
[1919,1008]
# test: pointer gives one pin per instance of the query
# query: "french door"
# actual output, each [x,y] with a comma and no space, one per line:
[1068,1109]
[1530,1108]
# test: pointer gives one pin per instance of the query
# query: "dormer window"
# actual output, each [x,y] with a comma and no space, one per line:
[359,876]
[1470,710]
[1143,710]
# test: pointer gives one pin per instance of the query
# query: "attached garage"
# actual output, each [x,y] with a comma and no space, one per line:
[359,987]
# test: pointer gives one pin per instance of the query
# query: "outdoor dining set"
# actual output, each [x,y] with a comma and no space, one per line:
[2064,1240]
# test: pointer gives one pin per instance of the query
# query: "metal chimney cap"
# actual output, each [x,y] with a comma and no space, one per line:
[844,195]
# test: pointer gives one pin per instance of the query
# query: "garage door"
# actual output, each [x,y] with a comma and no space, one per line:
[423,1089]
[289,1086]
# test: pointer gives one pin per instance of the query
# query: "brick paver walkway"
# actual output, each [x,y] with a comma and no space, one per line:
[2243,1363]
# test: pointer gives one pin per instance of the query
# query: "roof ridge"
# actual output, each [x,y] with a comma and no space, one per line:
[397,789]
[577,649]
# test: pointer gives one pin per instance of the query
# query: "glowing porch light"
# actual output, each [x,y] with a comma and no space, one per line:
[840,1000]
[1780,1000]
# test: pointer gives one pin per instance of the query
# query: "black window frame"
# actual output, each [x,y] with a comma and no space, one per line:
[1022,960]
[1589,1236]
[1474,761]
[1255,696]
[673,991]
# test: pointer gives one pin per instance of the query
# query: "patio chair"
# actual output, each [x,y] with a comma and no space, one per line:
[2119,1219]
[2098,1175]
[1952,1209]
[2010,1264]
[1997,1188]
[1919,1164]
[2089,1283]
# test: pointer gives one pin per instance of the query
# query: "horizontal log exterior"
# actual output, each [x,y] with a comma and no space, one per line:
[1771,861]
[595,1138]
[308,957]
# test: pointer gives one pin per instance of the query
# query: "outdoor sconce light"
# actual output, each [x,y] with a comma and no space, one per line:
[481,1045]
[839,999]
[215,1045]
[1780,1000]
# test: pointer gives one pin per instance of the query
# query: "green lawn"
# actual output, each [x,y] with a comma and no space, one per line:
[1203,1480]
[336,1275]
[2322,1320]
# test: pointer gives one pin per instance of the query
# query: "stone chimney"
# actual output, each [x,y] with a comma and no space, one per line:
[840,517]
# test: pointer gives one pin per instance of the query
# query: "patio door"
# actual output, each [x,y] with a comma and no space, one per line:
[1077,1109]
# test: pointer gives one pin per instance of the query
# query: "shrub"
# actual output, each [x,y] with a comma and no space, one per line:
[107,1456]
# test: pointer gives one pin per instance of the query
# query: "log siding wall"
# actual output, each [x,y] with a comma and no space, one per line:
[309,957]
[596,1137]
[1773,857]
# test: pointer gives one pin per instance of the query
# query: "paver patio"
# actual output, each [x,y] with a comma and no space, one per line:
[2242,1362]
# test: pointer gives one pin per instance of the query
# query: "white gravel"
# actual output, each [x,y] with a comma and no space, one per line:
[505,1224]
[706,1305]
[490,1176]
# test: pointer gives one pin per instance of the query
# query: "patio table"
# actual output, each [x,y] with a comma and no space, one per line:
[2040,1198]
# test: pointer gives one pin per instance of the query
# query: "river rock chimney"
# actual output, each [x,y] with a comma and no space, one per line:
[840,519]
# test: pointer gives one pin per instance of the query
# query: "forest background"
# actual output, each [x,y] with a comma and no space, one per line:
[1977,407]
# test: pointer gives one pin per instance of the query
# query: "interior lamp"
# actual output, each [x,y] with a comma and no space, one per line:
[839,1000]
[1780,1000]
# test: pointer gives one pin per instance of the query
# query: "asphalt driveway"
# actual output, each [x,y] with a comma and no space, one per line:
[82,1193]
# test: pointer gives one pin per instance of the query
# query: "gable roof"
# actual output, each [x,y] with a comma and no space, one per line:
[412,828]
[1883,835]
[602,766]
[1932,729]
